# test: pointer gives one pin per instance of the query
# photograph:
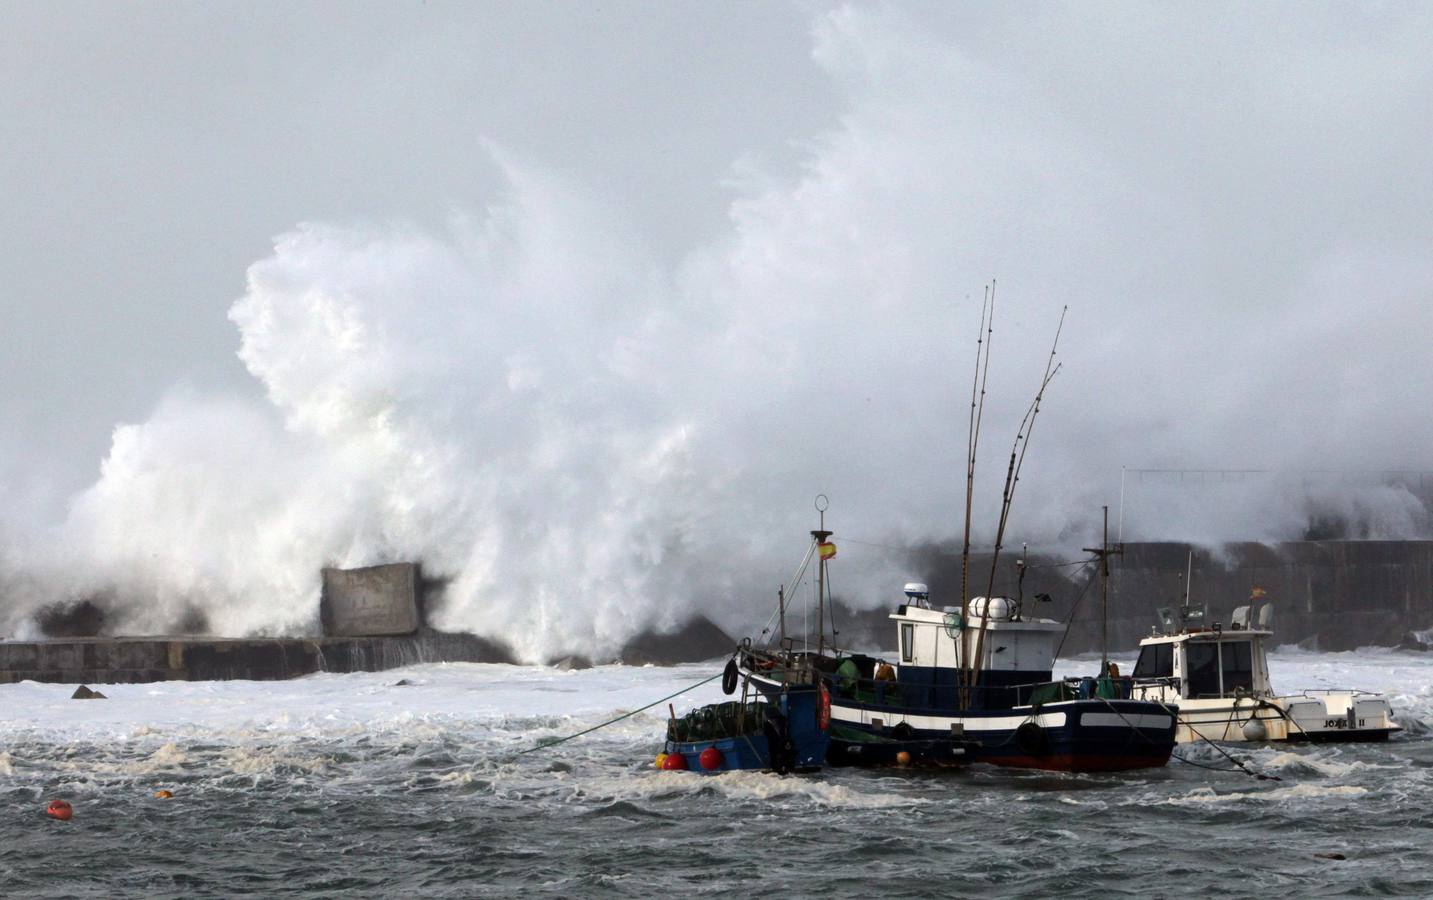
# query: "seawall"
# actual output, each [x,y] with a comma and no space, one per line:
[1326,595]
[108,660]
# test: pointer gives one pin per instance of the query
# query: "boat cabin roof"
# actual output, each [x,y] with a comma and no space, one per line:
[1205,634]
[912,613]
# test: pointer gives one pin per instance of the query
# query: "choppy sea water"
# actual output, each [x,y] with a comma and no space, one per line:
[353,785]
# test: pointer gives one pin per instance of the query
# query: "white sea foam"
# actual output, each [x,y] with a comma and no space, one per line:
[1297,792]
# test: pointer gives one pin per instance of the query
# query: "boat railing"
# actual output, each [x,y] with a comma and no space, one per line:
[788,668]
[894,694]
[1074,687]
[718,720]
[1145,685]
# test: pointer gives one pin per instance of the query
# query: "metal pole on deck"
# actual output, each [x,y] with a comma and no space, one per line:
[820,535]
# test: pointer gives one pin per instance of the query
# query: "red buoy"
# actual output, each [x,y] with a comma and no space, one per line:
[60,809]
[710,759]
[675,761]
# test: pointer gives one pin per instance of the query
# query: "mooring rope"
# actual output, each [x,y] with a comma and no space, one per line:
[1258,775]
[553,742]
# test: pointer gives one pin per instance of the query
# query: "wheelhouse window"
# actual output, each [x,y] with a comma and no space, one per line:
[1202,667]
[1237,663]
[908,640]
[1155,661]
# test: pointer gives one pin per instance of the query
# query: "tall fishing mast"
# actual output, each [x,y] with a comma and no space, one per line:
[1104,552]
[1012,477]
[983,337]
[820,535]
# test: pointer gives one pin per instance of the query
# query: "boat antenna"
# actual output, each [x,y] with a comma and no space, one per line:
[1012,477]
[819,536]
[1104,552]
[983,338]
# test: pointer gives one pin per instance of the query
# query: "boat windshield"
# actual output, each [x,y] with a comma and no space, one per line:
[1238,666]
[1219,669]
[1202,663]
[1155,661]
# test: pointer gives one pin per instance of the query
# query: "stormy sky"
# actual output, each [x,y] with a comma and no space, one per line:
[582,304]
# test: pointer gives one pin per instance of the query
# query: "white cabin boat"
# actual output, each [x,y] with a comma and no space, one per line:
[1219,677]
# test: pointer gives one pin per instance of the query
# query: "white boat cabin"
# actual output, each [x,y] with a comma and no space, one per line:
[938,638]
[1205,664]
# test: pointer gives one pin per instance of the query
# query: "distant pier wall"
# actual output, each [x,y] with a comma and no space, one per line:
[1326,595]
[139,660]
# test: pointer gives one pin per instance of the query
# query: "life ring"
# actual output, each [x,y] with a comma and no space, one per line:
[1032,739]
[823,707]
[728,677]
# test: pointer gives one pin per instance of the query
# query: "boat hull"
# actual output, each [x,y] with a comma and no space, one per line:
[1317,718]
[789,736]
[850,747]
[750,752]
[1070,736]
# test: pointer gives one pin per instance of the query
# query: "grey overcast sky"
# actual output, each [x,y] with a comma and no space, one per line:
[554,295]
[153,150]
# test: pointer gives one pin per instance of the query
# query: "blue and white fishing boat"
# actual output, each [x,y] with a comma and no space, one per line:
[1010,711]
[781,724]
[975,678]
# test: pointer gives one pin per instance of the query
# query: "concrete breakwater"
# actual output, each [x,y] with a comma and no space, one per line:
[1326,595]
[109,660]
[372,620]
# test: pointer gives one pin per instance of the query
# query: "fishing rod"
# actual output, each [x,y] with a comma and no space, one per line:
[983,338]
[1012,477]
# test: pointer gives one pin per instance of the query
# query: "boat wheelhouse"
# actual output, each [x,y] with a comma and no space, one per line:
[1219,677]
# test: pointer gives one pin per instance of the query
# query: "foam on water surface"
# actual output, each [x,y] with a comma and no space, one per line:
[358,780]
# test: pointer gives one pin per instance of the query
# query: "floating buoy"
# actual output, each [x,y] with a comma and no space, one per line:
[60,809]
[675,762]
[903,759]
[710,759]
[661,758]
[164,795]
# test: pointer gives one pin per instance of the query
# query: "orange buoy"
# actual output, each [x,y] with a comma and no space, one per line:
[675,762]
[164,795]
[903,759]
[661,758]
[710,759]
[60,809]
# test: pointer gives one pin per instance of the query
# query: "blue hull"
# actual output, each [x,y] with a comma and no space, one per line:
[1074,735]
[790,739]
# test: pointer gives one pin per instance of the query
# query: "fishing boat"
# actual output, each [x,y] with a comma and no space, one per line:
[1219,677]
[975,676]
[1010,712]
[777,726]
